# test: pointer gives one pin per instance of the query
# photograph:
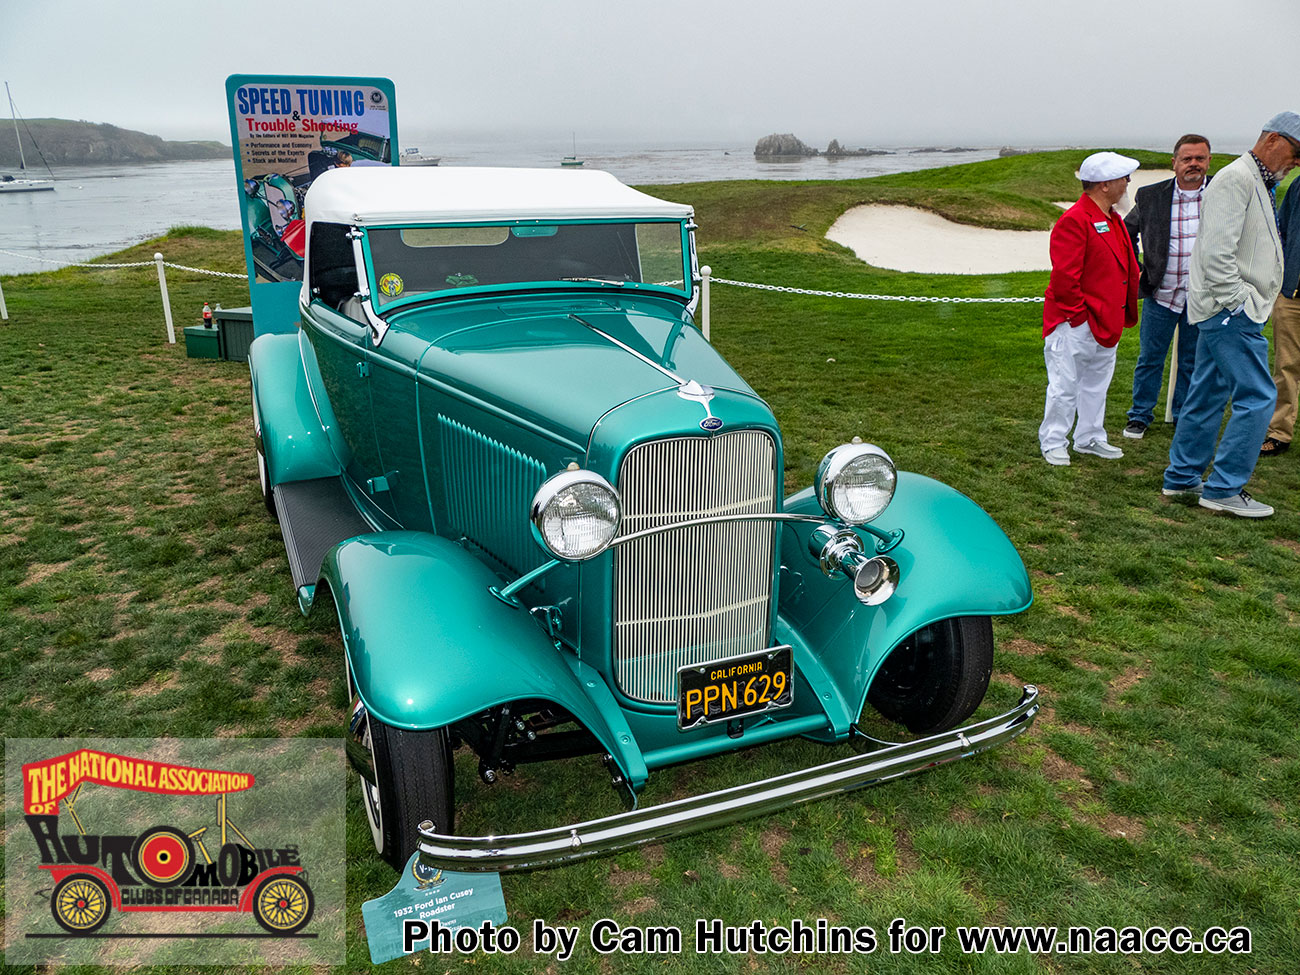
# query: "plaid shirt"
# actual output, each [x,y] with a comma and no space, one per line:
[1184,220]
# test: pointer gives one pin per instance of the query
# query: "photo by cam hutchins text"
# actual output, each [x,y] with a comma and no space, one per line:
[713,936]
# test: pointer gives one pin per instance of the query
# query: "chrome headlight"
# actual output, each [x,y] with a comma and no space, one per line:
[855,482]
[576,515]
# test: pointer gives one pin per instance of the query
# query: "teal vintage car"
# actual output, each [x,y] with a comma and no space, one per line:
[550,519]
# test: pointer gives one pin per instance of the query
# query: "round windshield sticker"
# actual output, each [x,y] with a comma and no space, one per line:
[391,285]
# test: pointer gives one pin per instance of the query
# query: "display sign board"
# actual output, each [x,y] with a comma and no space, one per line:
[426,909]
[286,130]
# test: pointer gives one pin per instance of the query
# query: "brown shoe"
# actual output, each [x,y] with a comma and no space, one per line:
[1272,447]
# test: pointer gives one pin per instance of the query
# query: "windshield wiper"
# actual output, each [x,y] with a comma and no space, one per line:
[613,281]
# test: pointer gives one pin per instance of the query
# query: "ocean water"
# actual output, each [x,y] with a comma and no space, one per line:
[96,210]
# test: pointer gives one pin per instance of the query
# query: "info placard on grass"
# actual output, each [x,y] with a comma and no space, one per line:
[425,902]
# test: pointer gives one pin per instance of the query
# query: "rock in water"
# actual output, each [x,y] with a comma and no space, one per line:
[786,144]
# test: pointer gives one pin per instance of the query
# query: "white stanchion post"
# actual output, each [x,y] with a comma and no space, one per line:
[1173,377]
[705,273]
[167,304]
[4,312]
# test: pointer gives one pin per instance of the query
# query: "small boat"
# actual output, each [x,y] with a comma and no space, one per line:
[21,184]
[573,160]
[413,157]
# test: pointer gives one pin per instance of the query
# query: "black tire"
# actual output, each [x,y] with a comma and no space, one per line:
[162,856]
[936,678]
[80,903]
[414,769]
[283,903]
[263,472]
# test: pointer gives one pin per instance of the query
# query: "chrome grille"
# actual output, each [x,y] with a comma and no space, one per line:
[700,593]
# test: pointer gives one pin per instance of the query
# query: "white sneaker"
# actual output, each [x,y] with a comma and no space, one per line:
[1242,505]
[1099,448]
[1057,457]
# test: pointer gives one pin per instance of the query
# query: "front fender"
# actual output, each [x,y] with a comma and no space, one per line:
[294,442]
[428,644]
[953,561]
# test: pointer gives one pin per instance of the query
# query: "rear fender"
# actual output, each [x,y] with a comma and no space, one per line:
[294,441]
[428,643]
[953,561]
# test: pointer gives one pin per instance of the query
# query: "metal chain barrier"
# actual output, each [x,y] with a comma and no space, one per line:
[707,279]
[945,299]
[157,262]
[201,270]
[178,267]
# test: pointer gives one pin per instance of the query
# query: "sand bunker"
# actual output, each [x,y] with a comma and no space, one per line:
[909,239]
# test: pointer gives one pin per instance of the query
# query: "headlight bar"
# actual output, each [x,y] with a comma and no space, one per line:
[885,540]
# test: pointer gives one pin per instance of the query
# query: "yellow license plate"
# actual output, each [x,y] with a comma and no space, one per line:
[734,688]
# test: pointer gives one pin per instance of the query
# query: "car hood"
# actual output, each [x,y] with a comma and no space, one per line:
[561,365]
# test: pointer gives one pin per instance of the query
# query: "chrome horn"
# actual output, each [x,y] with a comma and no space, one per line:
[840,550]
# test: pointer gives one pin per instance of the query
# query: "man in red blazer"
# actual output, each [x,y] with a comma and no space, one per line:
[1091,298]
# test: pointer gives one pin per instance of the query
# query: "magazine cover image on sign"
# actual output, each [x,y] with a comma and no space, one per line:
[288,136]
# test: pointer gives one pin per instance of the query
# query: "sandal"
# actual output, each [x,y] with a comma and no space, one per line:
[1272,447]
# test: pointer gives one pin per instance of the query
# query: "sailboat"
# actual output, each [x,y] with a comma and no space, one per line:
[573,160]
[20,184]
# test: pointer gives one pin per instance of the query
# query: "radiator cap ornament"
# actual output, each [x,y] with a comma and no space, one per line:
[701,394]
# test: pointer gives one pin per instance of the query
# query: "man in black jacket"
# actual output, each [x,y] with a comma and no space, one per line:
[1166,217]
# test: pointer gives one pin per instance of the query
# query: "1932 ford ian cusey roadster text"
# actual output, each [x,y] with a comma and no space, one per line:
[550,518]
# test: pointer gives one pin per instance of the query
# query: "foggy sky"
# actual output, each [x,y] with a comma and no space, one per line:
[673,72]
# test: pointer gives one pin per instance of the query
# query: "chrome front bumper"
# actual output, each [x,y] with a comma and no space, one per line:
[597,837]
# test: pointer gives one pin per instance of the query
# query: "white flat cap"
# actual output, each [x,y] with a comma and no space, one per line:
[1101,166]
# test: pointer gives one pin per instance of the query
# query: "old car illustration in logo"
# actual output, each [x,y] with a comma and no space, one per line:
[163,867]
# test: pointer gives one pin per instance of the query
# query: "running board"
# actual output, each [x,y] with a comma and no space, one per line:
[314,517]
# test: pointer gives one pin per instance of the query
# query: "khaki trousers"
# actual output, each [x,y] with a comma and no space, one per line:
[1286,367]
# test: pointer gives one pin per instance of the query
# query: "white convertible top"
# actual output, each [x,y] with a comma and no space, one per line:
[374,195]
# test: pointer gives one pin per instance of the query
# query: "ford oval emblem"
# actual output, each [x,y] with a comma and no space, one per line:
[710,423]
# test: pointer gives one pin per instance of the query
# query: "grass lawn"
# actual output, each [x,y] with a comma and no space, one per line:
[144,591]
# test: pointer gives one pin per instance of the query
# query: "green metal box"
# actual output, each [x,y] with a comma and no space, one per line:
[236,328]
[202,342]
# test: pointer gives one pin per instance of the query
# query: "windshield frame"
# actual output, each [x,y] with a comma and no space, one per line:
[681,292]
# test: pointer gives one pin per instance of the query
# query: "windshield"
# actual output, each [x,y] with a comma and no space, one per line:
[426,260]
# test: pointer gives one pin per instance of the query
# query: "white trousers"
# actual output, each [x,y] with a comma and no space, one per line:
[1078,377]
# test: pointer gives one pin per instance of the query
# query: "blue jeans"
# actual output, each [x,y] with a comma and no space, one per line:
[1154,336]
[1231,364]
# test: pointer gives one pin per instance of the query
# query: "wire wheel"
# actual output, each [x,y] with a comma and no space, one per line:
[415,783]
[283,904]
[263,473]
[80,903]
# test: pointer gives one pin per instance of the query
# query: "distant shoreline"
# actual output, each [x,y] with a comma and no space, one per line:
[64,142]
